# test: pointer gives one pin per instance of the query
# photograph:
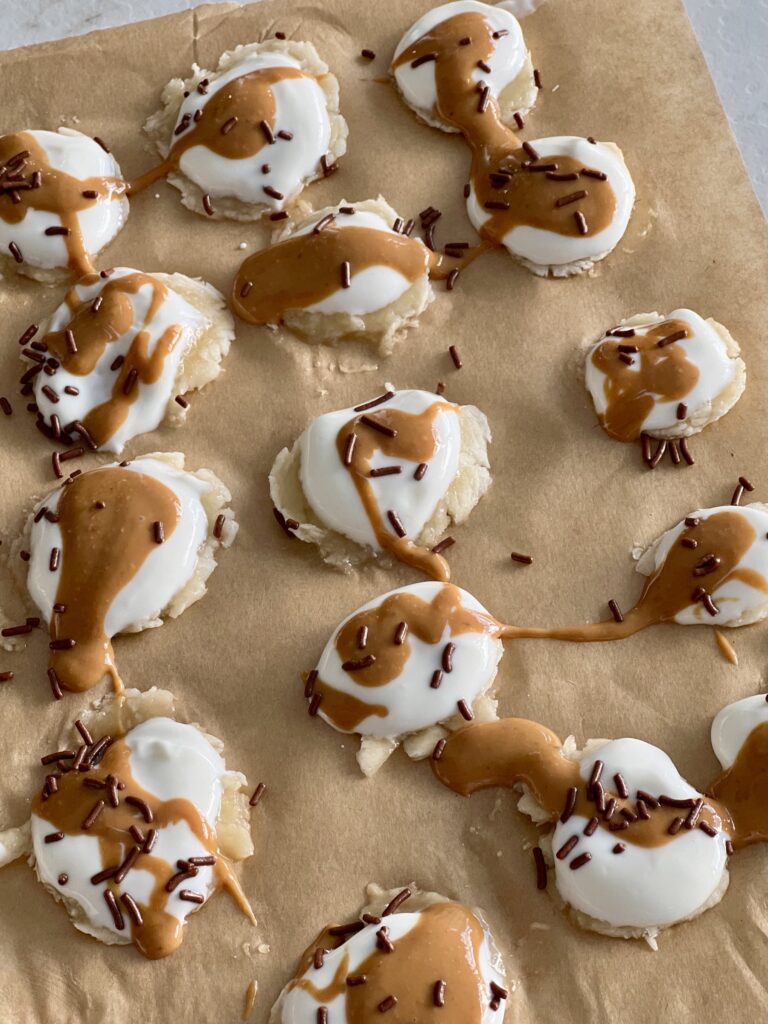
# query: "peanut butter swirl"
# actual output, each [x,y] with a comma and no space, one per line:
[504,176]
[444,943]
[95,328]
[106,518]
[72,803]
[634,385]
[427,621]
[29,182]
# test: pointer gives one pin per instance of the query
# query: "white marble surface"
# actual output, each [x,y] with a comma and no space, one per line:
[733,35]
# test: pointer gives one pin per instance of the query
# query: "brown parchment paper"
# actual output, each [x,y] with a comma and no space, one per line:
[625,71]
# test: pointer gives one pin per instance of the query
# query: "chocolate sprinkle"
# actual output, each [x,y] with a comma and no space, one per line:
[541,866]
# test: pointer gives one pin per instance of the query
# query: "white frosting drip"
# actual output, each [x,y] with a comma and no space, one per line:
[148,408]
[300,1007]
[170,760]
[418,85]
[550,249]
[411,702]
[641,887]
[705,349]
[735,599]
[79,156]
[733,724]
[300,106]
[163,573]
[328,484]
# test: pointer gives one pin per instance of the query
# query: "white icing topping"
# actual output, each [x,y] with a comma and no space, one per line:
[705,349]
[328,484]
[79,156]
[170,760]
[411,702]
[298,1006]
[148,408]
[165,571]
[550,249]
[732,725]
[300,106]
[735,599]
[418,85]
[643,887]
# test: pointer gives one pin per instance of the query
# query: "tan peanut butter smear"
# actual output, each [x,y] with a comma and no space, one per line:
[506,181]
[43,187]
[249,99]
[444,943]
[94,329]
[657,373]
[304,269]
[106,518]
[742,788]
[71,804]
[427,621]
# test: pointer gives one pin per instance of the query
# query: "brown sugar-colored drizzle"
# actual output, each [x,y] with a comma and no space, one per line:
[106,520]
[94,329]
[249,99]
[70,804]
[405,435]
[676,584]
[445,942]
[55,192]
[305,269]
[505,185]
[425,620]
[742,788]
[665,374]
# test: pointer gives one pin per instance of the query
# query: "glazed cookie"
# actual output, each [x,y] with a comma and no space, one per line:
[508,71]
[62,199]
[635,848]
[117,550]
[246,139]
[138,823]
[416,953]
[406,668]
[664,377]
[343,272]
[385,477]
[121,351]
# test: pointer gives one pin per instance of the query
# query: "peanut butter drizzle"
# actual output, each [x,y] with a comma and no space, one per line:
[161,932]
[495,148]
[250,99]
[102,550]
[426,620]
[742,789]
[514,751]
[665,374]
[415,440]
[669,589]
[305,269]
[58,193]
[94,331]
[444,943]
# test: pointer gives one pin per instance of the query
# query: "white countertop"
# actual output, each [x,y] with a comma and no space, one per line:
[733,35]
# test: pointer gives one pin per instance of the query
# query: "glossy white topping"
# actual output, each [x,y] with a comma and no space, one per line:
[329,488]
[80,157]
[705,348]
[732,725]
[300,109]
[738,602]
[299,1006]
[163,573]
[170,760]
[642,887]
[550,249]
[418,85]
[411,703]
[147,410]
